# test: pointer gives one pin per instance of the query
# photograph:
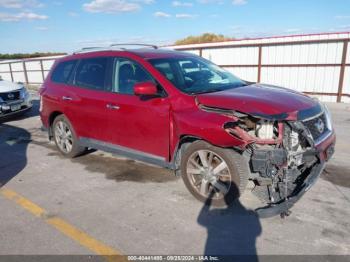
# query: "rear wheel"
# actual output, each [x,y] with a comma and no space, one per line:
[65,137]
[215,173]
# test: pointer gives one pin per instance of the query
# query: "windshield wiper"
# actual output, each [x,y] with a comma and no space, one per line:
[213,90]
[207,91]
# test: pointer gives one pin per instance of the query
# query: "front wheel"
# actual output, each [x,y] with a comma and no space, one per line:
[213,173]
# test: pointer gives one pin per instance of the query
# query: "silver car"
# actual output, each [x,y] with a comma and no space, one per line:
[14,98]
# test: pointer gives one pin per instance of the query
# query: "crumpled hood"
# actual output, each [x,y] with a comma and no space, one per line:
[7,86]
[260,100]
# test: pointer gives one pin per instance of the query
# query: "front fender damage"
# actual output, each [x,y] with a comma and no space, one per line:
[282,155]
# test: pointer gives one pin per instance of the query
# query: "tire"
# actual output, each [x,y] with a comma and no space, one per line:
[222,180]
[65,137]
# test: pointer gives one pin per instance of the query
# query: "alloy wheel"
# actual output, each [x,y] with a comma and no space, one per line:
[209,174]
[64,137]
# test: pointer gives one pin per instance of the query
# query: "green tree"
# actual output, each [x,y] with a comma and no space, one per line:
[32,55]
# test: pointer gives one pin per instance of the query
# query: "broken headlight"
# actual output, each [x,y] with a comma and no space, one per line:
[253,130]
[264,129]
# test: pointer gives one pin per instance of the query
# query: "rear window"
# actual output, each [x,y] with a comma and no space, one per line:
[63,71]
[91,73]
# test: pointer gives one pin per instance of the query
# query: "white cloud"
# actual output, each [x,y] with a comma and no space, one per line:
[161,14]
[111,6]
[181,4]
[32,16]
[166,15]
[6,17]
[18,4]
[185,16]
[147,2]
[210,1]
[115,6]
[239,2]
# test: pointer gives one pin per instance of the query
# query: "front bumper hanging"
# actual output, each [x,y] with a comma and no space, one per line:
[282,207]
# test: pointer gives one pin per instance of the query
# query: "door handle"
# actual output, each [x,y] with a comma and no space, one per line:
[112,107]
[67,98]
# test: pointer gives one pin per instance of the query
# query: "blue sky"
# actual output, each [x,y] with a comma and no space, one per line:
[62,25]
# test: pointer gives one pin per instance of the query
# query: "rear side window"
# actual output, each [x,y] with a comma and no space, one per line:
[63,71]
[91,73]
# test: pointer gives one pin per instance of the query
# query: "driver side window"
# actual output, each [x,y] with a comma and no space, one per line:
[126,74]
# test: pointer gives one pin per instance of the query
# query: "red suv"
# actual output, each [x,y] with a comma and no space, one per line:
[182,112]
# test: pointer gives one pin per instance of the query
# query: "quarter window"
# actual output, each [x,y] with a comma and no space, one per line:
[63,71]
[91,73]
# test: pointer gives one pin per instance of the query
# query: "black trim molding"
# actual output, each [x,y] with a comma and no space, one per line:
[126,152]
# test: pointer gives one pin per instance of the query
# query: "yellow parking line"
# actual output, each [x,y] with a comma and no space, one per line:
[64,227]
[26,204]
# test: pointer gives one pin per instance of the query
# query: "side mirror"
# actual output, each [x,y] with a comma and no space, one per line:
[145,89]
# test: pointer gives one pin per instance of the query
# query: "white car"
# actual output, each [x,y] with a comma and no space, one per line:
[14,98]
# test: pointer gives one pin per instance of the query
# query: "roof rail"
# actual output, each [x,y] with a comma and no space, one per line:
[108,48]
[129,44]
[90,49]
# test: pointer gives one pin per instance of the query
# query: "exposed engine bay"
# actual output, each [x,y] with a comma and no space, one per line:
[278,169]
[282,153]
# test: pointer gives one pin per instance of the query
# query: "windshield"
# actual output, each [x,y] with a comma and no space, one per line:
[196,75]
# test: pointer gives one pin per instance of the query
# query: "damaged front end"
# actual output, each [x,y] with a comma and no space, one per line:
[286,153]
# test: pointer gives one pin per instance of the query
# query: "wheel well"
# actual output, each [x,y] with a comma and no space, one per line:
[187,139]
[51,119]
[184,141]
